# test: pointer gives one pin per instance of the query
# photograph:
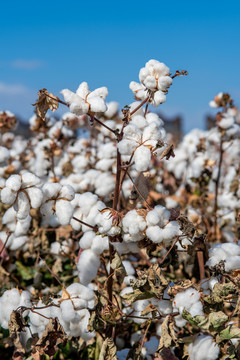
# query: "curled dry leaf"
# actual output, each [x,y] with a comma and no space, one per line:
[45,101]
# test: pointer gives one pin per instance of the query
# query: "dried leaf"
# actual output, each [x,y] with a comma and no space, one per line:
[168,152]
[108,351]
[118,267]
[45,101]
[142,184]
[52,336]
[166,338]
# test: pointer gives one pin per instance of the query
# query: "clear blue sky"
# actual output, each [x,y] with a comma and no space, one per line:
[58,44]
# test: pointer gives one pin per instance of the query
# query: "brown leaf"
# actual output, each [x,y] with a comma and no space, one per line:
[45,101]
[108,351]
[118,267]
[168,152]
[52,336]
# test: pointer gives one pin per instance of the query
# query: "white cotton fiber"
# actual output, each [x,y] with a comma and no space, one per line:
[14,182]
[204,348]
[87,239]
[88,265]
[8,196]
[64,211]
[35,196]
[100,244]
[142,158]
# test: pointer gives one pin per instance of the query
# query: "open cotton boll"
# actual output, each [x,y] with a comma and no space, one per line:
[203,348]
[139,121]
[152,217]
[139,90]
[126,248]
[189,300]
[88,265]
[158,98]
[228,252]
[104,184]
[142,158]
[64,211]
[100,244]
[97,104]
[112,109]
[81,291]
[226,122]
[11,300]
[16,243]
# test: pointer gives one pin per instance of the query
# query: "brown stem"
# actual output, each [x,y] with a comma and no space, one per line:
[139,106]
[84,223]
[200,258]
[143,340]
[217,186]
[166,255]
[115,132]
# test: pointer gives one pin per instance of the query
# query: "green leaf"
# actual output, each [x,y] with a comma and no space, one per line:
[26,272]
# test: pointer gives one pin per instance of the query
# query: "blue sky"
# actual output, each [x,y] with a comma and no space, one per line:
[59,44]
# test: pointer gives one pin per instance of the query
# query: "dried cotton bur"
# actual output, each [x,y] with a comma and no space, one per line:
[115,241]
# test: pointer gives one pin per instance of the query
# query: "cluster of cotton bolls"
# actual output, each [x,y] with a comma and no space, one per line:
[141,137]
[203,348]
[155,80]
[71,309]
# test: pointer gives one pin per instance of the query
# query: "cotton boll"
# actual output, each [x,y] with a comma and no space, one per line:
[154,234]
[128,267]
[126,147]
[152,217]
[86,201]
[64,211]
[112,109]
[88,265]
[226,122]
[142,158]
[97,105]
[80,290]
[100,244]
[101,92]
[86,240]
[204,348]
[158,98]
[35,196]
[8,196]
[139,121]
[164,82]
[14,182]
[15,243]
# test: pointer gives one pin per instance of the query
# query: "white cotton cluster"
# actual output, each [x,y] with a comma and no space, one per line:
[71,310]
[133,225]
[155,80]
[11,300]
[203,348]
[62,249]
[229,253]
[4,154]
[22,192]
[85,101]
[140,137]
[217,100]
[188,300]
[87,208]
[159,227]
[229,124]
[57,200]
